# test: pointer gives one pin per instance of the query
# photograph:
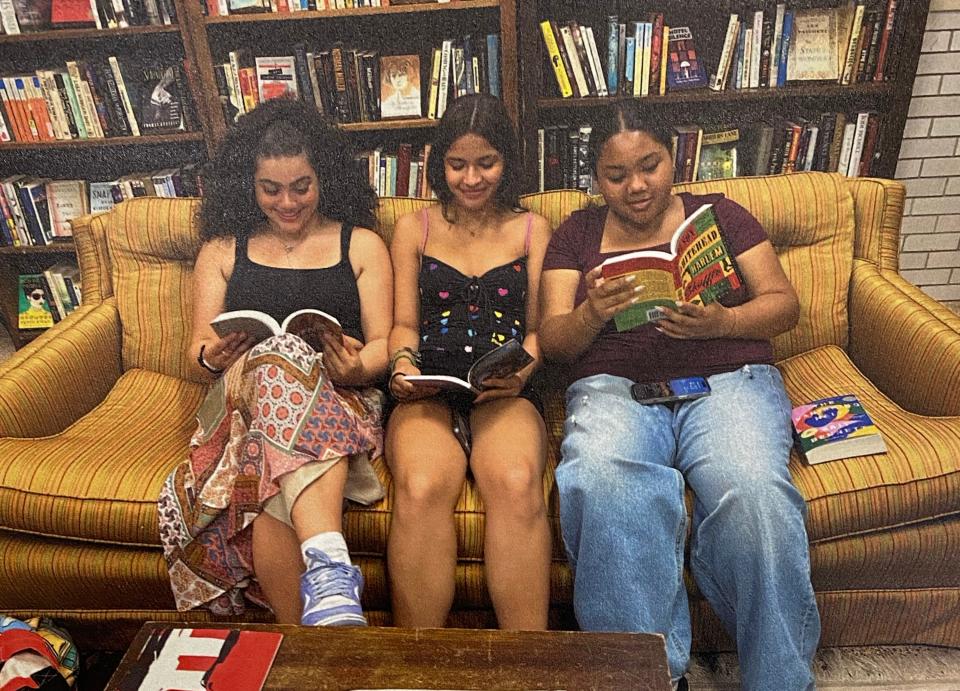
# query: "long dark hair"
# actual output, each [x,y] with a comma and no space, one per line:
[625,116]
[485,116]
[282,127]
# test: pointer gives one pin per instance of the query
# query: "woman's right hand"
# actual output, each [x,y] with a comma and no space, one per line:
[403,390]
[607,298]
[227,350]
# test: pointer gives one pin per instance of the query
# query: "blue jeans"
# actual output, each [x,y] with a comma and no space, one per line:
[621,483]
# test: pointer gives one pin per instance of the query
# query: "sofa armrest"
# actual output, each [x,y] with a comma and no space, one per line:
[63,374]
[905,342]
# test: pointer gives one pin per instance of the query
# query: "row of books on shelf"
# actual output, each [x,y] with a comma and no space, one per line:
[38,211]
[845,44]
[397,174]
[92,99]
[639,58]
[354,85]
[31,16]
[831,142]
[48,296]
[765,48]
[222,8]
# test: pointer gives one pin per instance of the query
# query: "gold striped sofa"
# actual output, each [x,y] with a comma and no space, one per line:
[96,411]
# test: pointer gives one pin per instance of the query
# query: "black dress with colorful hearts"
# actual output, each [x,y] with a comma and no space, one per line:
[463,317]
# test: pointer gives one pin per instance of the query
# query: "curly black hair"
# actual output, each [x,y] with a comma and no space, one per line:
[486,116]
[282,127]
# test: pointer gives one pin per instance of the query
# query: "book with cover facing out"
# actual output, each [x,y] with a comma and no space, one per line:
[161,99]
[503,361]
[698,269]
[684,66]
[837,427]
[308,324]
[34,305]
[201,658]
[400,86]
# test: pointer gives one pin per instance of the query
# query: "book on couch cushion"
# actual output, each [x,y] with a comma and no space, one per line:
[837,427]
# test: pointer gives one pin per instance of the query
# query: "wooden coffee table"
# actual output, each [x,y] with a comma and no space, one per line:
[395,658]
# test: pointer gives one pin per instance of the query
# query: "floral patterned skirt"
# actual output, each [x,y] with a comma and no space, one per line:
[274,412]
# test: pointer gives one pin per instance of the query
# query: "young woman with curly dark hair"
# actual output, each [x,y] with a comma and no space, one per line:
[287,430]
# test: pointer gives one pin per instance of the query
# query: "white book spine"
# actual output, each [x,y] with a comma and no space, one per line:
[856,149]
[719,80]
[540,162]
[124,96]
[757,49]
[234,58]
[58,118]
[595,65]
[846,145]
[446,52]
[8,17]
[578,73]
[743,81]
[95,12]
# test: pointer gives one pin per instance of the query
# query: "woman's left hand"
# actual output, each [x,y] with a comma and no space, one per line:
[494,388]
[342,360]
[697,322]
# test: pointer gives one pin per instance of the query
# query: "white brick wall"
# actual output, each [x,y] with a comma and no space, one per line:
[929,162]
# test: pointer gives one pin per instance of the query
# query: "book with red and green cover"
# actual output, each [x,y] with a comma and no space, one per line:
[697,269]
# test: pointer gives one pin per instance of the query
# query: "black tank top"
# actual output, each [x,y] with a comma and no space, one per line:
[278,291]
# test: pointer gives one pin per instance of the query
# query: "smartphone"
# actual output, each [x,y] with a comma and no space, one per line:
[680,389]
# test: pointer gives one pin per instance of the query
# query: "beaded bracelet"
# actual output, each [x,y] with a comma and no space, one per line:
[405,354]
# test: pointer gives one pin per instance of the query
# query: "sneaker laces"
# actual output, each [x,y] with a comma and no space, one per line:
[327,577]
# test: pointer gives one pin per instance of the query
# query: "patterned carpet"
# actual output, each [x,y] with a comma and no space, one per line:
[875,668]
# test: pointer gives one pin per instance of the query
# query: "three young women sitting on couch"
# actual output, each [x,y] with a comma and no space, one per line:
[260,490]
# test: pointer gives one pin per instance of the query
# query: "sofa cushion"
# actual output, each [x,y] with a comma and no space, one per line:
[99,478]
[810,220]
[153,244]
[917,480]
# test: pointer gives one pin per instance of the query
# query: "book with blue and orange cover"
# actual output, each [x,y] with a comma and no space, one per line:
[836,427]
[698,269]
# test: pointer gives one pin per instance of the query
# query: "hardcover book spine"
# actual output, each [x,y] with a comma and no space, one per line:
[656,55]
[613,56]
[884,47]
[785,47]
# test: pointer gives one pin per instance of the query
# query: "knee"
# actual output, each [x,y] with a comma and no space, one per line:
[515,486]
[417,493]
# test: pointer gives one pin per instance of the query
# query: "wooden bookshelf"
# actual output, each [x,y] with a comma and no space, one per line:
[91,159]
[392,30]
[541,104]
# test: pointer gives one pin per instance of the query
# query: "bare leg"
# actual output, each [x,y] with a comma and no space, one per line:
[428,468]
[508,460]
[278,565]
[319,507]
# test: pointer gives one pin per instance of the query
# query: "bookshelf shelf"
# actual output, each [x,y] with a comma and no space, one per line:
[749,109]
[143,140]
[784,93]
[59,248]
[314,15]
[87,34]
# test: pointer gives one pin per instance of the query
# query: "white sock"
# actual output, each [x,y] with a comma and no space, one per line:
[332,544]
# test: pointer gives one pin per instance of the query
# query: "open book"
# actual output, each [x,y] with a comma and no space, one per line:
[308,324]
[698,269]
[504,361]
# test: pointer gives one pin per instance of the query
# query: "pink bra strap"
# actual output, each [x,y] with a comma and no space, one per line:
[425,222]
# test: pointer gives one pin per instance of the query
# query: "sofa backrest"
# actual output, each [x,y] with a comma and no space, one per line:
[153,243]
